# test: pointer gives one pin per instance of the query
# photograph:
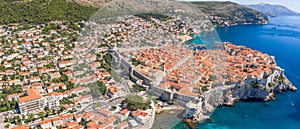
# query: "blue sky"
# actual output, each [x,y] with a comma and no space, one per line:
[292,4]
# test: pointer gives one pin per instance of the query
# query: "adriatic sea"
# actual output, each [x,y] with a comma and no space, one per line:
[279,38]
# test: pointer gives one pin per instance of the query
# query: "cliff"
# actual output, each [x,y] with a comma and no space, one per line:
[261,88]
[227,95]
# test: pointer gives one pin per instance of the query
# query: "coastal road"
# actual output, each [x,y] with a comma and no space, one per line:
[134,48]
[105,103]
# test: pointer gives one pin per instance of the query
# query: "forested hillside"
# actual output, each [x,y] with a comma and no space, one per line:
[42,11]
[229,13]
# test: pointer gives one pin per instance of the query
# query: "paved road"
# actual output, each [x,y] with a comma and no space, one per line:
[37,122]
[1,121]
[134,48]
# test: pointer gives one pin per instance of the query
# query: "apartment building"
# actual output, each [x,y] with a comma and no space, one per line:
[31,103]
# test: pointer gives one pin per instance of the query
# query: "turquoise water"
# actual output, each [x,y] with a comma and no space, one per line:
[280,38]
[162,120]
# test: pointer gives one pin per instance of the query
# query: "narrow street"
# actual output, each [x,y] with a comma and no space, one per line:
[2,122]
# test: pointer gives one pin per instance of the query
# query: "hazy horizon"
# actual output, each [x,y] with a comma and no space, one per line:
[292,5]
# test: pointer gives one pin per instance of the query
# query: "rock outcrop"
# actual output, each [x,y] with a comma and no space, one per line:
[227,95]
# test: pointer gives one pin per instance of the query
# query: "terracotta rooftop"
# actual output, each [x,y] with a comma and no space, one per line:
[45,121]
[139,113]
[33,94]
[124,111]
[21,127]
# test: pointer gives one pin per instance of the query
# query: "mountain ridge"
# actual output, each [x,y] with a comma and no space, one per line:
[273,10]
[220,13]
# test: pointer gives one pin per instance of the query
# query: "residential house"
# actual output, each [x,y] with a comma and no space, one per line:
[46,124]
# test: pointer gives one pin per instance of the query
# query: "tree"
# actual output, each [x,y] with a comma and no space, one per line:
[135,62]
[98,89]
[6,119]
[135,102]
[30,116]
[43,11]
[17,118]
[79,105]
[70,85]
[172,102]
[4,78]
[113,107]
[39,127]
[271,84]
[148,16]
[83,122]
[137,87]
[2,68]
[63,78]
[23,117]
[46,108]
[107,59]
[60,89]
[41,115]
[204,88]
[7,125]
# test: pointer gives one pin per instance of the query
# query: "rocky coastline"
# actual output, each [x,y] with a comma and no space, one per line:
[227,96]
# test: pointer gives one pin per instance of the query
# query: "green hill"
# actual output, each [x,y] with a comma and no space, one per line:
[42,11]
[222,13]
